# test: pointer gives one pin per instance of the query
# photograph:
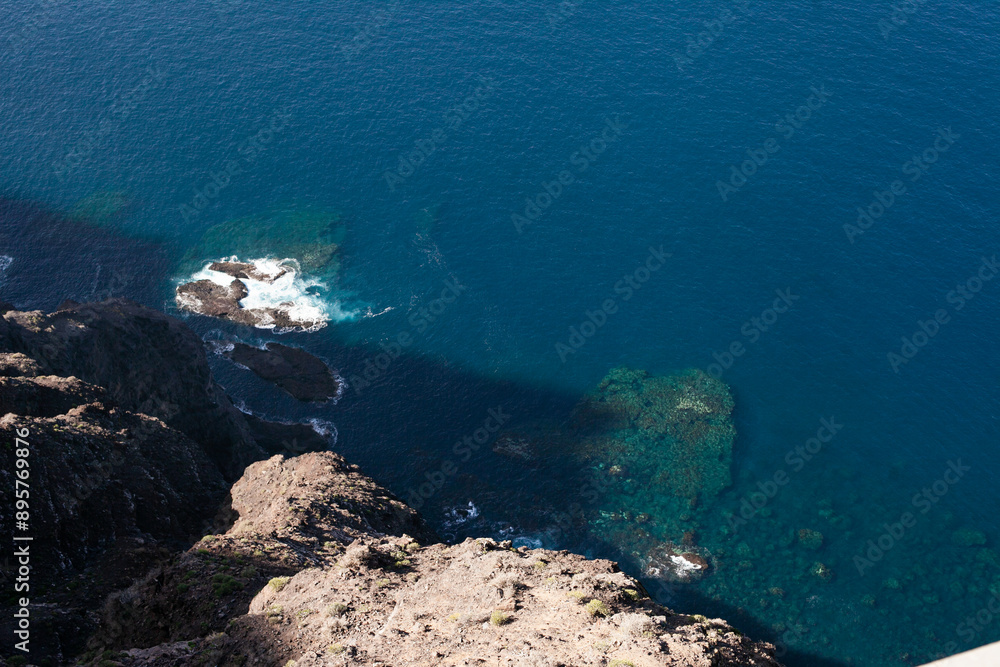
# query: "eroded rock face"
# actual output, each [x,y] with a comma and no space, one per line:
[299,373]
[323,568]
[131,443]
[110,491]
[146,361]
[102,477]
[292,514]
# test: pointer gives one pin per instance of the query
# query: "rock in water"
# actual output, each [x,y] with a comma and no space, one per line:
[313,237]
[296,371]
[265,293]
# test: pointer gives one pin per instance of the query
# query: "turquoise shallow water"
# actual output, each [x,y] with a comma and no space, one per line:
[647,107]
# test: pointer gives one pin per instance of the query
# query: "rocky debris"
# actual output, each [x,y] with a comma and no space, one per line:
[207,297]
[322,567]
[821,571]
[299,373]
[671,562]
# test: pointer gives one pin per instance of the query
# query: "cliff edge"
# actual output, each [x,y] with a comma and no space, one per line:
[305,561]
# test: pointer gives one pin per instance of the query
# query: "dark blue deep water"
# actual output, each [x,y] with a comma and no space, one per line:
[477,107]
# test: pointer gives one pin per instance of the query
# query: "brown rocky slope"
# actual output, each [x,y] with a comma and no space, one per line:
[322,568]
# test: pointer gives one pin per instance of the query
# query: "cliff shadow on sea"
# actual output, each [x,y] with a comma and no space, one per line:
[47,256]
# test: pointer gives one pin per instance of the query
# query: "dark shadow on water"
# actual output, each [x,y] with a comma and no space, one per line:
[53,257]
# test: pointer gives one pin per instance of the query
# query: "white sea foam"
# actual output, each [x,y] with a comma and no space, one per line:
[325,429]
[287,288]
[370,313]
[682,566]
[456,516]
[5,262]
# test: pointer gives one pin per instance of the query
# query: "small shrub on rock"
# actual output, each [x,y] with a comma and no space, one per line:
[499,618]
[278,583]
[597,608]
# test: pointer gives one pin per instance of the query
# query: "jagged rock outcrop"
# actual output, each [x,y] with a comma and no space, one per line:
[293,514]
[325,569]
[148,363]
[111,492]
[133,448]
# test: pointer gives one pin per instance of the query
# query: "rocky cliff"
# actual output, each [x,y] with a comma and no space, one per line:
[146,560]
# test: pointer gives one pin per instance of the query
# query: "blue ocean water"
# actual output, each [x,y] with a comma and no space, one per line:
[439,133]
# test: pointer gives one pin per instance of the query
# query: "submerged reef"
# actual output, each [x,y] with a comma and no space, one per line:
[102,208]
[664,443]
[310,237]
[667,435]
